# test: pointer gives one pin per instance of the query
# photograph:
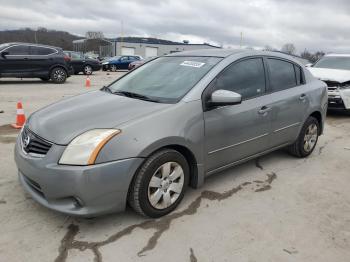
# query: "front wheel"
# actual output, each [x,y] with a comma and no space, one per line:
[307,138]
[114,68]
[159,185]
[58,75]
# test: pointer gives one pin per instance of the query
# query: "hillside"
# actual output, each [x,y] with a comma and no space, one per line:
[41,36]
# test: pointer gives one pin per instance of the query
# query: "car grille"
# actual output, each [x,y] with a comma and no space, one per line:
[332,85]
[33,144]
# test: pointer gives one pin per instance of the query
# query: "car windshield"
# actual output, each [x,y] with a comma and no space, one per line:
[164,80]
[334,62]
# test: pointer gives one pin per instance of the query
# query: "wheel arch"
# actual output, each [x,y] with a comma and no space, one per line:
[318,116]
[196,176]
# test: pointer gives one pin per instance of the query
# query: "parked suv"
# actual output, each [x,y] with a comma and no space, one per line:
[81,63]
[166,125]
[31,60]
[119,62]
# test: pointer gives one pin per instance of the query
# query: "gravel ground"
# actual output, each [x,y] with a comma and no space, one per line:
[275,208]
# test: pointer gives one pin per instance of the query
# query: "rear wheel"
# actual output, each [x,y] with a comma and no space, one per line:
[87,70]
[307,138]
[58,75]
[159,185]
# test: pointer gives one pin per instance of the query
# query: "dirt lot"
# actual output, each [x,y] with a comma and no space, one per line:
[277,208]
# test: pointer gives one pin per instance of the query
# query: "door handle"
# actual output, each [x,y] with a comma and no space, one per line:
[264,110]
[26,58]
[302,97]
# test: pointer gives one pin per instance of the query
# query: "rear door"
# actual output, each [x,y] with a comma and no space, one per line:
[41,59]
[233,133]
[289,100]
[16,62]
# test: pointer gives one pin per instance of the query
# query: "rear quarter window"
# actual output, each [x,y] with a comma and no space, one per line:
[37,50]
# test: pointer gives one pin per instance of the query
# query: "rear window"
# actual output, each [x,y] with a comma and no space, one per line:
[38,50]
[282,75]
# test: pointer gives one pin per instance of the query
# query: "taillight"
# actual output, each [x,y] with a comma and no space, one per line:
[66,58]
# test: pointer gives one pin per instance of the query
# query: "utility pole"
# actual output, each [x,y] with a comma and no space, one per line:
[121,35]
[240,44]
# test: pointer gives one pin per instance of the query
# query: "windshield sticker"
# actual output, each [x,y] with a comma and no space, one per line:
[192,64]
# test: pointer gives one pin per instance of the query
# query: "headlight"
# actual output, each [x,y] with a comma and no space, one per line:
[84,149]
[105,63]
[346,86]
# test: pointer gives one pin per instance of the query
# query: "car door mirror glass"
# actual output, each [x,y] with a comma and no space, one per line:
[224,97]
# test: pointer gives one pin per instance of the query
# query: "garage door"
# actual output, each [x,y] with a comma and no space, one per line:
[128,51]
[151,51]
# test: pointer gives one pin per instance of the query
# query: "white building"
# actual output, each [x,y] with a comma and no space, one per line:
[145,47]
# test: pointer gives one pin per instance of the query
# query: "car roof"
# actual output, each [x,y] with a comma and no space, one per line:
[339,55]
[228,52]
[33,44]
[209,52]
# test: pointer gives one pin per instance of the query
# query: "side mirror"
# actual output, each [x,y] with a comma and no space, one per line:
[224,98]
[4,54]
[309,65]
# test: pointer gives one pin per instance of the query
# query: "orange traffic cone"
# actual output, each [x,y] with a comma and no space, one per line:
[87,82]
[21,118]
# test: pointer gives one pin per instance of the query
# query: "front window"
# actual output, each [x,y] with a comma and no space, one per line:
[334,62]
[165,80]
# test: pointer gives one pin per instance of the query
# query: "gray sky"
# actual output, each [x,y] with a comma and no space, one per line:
[311,24]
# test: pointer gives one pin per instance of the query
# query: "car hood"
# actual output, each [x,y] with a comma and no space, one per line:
[68,118]
[326,74]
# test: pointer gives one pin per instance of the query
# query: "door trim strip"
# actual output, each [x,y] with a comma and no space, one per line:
[237,144]
[244,159]
[283,128]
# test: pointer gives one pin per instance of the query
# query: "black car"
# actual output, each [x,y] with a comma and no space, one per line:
[83,63]
[32,60]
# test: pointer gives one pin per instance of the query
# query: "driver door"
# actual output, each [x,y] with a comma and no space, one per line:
[16,62]
[236,132]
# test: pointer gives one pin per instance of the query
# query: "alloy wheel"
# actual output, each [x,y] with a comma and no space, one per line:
[310,137]
[59,75]
[88,70]
[166,185]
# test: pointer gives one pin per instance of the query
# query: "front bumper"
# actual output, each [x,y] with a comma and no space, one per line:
[339,99]
[105,67]
[75,190]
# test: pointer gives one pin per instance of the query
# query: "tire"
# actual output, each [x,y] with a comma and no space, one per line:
[157,199]
[58,75]
[45,79]
[113,68]
[87,70]
[307,139]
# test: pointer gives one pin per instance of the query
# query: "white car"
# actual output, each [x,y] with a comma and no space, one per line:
[334,69]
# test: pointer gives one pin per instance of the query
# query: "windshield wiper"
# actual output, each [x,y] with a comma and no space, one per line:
[135,95]
[106,88]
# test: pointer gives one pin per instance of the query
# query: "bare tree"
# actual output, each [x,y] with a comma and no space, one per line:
[312,57]
[288,48]
[268,48]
